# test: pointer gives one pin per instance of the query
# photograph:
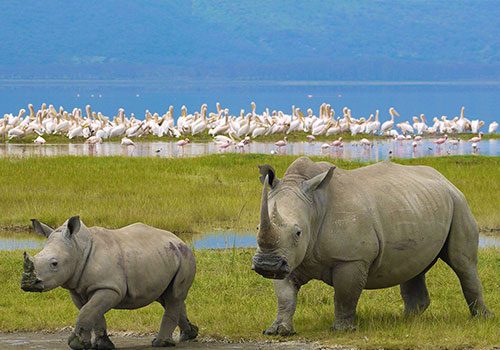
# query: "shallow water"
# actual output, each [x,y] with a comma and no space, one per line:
[381,149]
[211,240]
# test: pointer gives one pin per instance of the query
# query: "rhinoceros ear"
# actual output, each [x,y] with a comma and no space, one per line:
[319,181]
[41,229]
[72,227]
[267,170]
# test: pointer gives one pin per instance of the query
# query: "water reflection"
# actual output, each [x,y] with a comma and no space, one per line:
[380,150]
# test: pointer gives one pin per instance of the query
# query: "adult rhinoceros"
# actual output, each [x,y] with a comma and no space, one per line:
[105,269]
[369,228]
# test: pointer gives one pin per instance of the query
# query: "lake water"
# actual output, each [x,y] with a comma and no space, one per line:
[409,98]
[211,240]
[382,149]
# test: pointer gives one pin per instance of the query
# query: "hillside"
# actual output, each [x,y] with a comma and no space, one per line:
[414,39]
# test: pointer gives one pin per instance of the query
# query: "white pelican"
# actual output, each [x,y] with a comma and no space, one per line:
[387,126]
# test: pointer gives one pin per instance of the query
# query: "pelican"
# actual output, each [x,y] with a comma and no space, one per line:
[387,126]
[127,142]
[493,127]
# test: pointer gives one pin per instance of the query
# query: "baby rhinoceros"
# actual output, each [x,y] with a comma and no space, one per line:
[127,268]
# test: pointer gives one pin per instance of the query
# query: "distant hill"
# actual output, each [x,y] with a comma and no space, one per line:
[254,39]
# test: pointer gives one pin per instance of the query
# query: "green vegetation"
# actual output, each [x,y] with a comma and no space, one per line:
[167,192]
[229,301]
[186,195]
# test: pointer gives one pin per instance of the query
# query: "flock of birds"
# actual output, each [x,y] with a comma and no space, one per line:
[231,130]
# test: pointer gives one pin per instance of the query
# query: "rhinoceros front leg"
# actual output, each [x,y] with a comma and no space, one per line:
[286,294]
[90,315]
[349,279]
[102,341]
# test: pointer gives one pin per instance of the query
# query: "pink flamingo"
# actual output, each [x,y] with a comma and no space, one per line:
[477,138]
[338,143]
[418,138]
[310,138]
[366,142]
[281,143]
[225,144]
[182,143]
[441,140]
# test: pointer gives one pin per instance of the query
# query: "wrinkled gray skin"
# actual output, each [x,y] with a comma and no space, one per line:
[374,227]
[105,269]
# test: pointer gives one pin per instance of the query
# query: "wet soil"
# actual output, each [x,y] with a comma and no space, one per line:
[58,341]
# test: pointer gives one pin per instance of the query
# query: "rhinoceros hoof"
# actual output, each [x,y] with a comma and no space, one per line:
[342,327]
[191,334]
[76,343]
[163,343]
[279,330]
[103,343]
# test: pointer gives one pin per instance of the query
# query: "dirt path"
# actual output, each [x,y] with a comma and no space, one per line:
[57,341]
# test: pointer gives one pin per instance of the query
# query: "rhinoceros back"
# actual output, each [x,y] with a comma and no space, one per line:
[140,260]
[396,217]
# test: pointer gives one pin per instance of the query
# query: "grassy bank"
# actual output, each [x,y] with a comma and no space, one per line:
[228,300]
[186,195]
[205,137]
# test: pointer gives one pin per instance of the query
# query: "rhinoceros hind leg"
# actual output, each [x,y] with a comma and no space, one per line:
[349,280]
[460,253]
[471,286]
[188,330]
[190,334]
[415,295]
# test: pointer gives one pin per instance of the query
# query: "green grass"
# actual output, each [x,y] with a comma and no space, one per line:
[229,301]
[186,195]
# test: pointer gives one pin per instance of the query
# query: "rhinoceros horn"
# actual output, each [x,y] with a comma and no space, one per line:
[266,237]
[29,277]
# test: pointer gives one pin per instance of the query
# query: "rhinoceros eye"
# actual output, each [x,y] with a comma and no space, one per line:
[53,264]
[299,233]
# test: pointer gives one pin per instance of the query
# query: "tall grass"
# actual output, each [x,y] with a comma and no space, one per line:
[229,301]
[186,195]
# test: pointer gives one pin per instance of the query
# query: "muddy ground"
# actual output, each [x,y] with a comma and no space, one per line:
[57,341]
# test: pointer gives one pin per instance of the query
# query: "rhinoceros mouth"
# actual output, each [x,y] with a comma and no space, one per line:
[270,266]
[30,286]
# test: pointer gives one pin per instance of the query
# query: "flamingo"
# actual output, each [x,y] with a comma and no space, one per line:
[94,139]
[338,143]
[417,138]
[325,146]
[281,143]
[310,138]
[366,142]
[441,140]
[182,143]
[477,138]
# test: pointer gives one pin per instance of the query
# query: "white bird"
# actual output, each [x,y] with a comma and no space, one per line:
[493,127]
[387,126]
[39,141]
[127,142]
